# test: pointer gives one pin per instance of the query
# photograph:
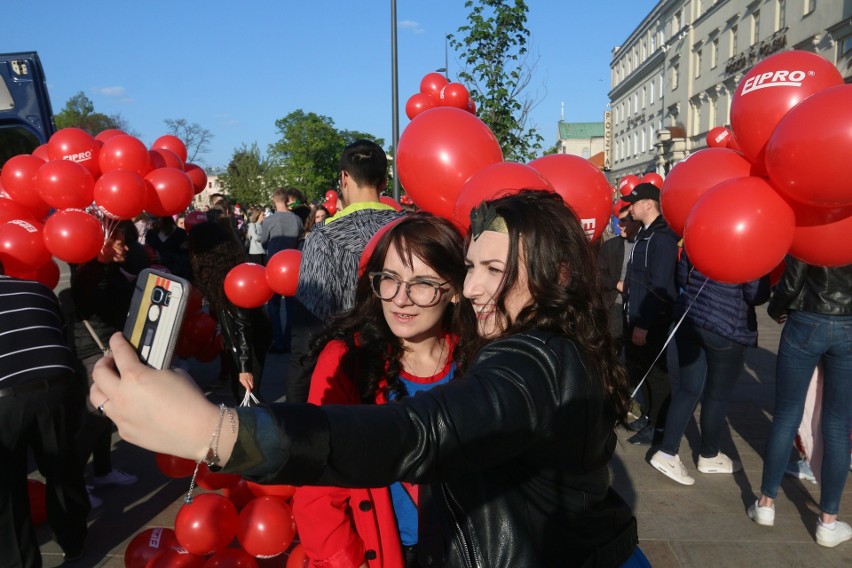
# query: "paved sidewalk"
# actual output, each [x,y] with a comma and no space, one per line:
[704,525]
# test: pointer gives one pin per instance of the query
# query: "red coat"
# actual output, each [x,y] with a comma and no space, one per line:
[343,528]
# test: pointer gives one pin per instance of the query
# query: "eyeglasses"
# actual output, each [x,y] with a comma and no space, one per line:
[422,293]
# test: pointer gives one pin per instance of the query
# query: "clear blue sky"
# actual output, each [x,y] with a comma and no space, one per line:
[236,67]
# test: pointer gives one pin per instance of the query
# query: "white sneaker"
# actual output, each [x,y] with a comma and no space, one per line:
[672,468]
[719,464]
[94,500]
[832,537]
[115,477]
[764,516]
[800,470]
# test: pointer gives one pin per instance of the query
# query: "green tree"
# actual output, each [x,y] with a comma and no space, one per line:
[246,179]
[79,112]
[497,70]
[307,155]
[195,137]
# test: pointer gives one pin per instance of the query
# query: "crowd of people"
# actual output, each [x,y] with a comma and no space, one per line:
[449,399]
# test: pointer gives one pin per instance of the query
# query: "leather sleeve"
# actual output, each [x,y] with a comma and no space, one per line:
[788,288]
[505,405]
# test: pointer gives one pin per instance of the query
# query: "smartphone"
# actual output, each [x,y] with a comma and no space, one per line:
[156,314]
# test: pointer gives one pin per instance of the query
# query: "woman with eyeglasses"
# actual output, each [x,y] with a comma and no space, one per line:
[514,453]
[398,339]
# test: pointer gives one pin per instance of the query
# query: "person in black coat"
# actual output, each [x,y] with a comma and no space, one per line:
[612,270]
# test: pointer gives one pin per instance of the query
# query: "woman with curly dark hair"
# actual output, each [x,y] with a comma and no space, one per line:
[213,251]
[398,339]
[515,452]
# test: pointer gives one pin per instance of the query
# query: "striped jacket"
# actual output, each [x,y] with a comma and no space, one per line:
[331,254]
[32,340]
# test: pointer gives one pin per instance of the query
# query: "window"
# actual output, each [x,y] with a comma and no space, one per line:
[653,42]
[714,53]
[734,30]
[675,73]
[644,142]
[711,112]
[676,23]
[644,51]
[635,144]
[652,138]
[698,7]
[846,45]
[621,111]
[755,27]
[780,14]
[697,63]
[651,97]
[636,103]
[644,96]
[586,153]
[810,6]
[661,85]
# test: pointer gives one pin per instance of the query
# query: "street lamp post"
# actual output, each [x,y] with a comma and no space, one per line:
[394,100]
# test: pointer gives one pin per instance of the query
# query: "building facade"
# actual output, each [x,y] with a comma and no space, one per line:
[675,75]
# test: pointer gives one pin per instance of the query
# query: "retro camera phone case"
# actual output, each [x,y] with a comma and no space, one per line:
[155,316]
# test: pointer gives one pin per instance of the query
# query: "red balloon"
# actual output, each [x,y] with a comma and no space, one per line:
[331,196]
[454,95]
[330,207]
[432,83]
[618,206]
[22,245]
[739,230]
[207,524]
[168,191]
[105,135]
[721,137]
[821,237]
[197,175]
[653,178]
[266,527]
[282,272]
[280,491]
[246,287]
[194,301]
[193,218]
[37,492]
[239,494]
[690,178]
[807,157]
[231,558]
[371,245]
[64,184]
[124,152]
[120,194]
[10,210]
[76,145]
[582,186]
[73,235]
[42,152]
[777,272]
[297,557]
[502,178]
[174,467]
[387,200]
[18,178]
[417,103]
[439,152]
[162,158]
[471,106]
[173,143]
[147,544]
[627,183]
[207,352]
[47,274]
[175,557]
[771,88]
[211,481]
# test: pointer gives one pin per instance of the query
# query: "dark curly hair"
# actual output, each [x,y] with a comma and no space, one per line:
[373,352]
[563,282]
[213,251]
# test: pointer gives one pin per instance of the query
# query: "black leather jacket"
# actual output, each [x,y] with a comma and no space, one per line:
[246,335]
[516,452]
[816,289]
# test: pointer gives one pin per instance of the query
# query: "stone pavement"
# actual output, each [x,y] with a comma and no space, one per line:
[704,525]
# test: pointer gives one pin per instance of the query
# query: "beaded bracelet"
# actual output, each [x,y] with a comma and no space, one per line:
[212,456]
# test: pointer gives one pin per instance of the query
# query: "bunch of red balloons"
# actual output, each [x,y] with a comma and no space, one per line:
[89,182]
[437,91]
[449,161]
[775,183]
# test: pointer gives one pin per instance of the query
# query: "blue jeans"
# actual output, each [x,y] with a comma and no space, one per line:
[808,337]
[710,364]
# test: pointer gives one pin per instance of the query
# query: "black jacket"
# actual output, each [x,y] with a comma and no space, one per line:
[246,335]
[650,280]
[816,289]
[516,452]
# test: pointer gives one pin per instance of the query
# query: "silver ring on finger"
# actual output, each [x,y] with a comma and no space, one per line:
[101,407]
